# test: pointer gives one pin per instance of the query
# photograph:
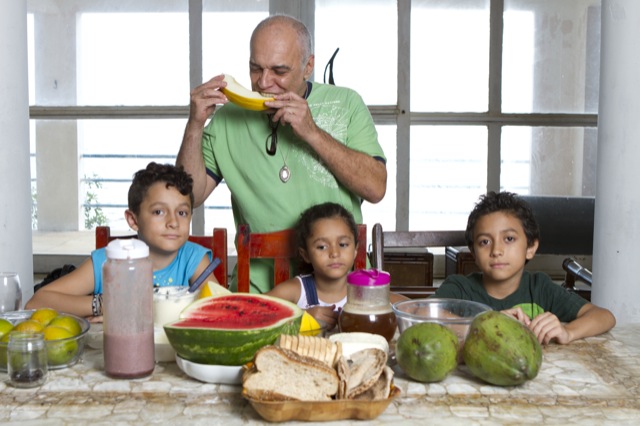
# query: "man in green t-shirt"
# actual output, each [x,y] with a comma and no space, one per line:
[316,143]
[503,235]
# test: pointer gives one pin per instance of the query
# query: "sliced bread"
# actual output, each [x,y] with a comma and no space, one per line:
[283,374]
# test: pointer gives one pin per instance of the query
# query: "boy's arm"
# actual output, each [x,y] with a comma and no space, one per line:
[71,293]
[590,321]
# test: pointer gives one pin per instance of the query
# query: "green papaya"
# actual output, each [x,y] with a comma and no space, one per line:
[427,352]
[501,350]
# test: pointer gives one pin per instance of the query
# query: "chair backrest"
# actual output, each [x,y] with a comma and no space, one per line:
[382,240]
[217,243]
[281,247]
[411,239]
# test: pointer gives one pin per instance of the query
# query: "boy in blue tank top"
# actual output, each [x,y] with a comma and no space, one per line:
[160,202]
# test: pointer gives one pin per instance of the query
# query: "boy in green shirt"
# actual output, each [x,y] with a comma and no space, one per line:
[503,235]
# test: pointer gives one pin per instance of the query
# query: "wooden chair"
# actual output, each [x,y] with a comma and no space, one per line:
[281,247]
[382,240]
[217,243]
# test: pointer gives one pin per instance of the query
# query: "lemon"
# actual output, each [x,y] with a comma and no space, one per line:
[29,326]
[309,326]
[5,327]
[44,315]
[66,322]
[212,289]
[59,353]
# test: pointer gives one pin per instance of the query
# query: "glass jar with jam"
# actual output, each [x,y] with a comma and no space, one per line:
[368,308]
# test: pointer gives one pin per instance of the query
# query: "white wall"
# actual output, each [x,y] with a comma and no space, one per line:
[617,215]
[15,175]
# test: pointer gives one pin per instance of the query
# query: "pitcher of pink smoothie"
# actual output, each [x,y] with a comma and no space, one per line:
[127,277]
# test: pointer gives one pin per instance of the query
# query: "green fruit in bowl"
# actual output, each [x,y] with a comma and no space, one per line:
[5,327]
[62,352]
[427,352]
[4,341]
[68,323]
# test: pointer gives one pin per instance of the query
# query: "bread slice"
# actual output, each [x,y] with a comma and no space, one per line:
[380,389]
[284,375]
[319,348]
[365,367]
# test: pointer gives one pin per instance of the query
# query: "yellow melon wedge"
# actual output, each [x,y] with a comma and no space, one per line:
[244,97]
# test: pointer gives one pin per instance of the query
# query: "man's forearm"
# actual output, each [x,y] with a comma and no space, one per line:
[359,172]
[190,157]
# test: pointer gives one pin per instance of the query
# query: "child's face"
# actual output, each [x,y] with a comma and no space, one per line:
[331,248]
[500,247]
[164,219]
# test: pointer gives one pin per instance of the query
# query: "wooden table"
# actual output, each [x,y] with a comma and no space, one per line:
[590,382]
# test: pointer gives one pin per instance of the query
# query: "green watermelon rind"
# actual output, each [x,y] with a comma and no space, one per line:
[205,345]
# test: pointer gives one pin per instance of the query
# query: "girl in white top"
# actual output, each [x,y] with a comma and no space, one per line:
[326,235]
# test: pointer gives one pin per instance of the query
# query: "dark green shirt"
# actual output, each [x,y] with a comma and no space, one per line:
[536,293]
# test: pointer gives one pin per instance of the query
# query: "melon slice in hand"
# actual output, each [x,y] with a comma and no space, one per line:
[243,97]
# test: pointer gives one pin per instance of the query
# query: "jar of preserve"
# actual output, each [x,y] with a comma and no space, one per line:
[368,308]
[127,277]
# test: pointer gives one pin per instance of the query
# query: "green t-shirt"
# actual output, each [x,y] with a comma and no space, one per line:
[233,147]
[537,293]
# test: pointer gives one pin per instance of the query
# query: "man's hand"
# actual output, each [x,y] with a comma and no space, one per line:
[293,110]
[204,99]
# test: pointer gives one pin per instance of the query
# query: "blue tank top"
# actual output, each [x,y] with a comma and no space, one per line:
[177,272]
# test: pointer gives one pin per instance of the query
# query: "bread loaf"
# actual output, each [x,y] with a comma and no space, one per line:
[319,348]
[281,374]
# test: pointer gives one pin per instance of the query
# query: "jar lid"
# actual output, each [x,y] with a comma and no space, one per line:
[128,248]
[369,277]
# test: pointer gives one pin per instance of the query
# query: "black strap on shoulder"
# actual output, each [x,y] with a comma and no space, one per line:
[310,288]
[330,66]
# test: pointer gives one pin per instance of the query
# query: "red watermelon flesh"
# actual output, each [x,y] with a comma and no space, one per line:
[233,313]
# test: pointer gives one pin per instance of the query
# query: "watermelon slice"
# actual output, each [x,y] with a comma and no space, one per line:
[228,330]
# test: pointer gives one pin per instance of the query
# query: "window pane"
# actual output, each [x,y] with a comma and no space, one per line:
[84,168]
[448,174]
[109,159]
[551,56]
[366,33]
[549,160]
[449,55]
[110,53]
[226,31]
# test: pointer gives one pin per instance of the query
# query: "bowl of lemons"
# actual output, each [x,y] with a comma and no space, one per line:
[64,334]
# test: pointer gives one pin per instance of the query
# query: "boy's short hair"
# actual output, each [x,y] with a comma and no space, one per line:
[172,175]
[506,202]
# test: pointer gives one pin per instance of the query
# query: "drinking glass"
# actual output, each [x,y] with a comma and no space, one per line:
[10,292]
[27,359]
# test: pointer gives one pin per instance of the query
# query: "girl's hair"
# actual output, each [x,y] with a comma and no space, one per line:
[169,174]
[506,202]
[311,216]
